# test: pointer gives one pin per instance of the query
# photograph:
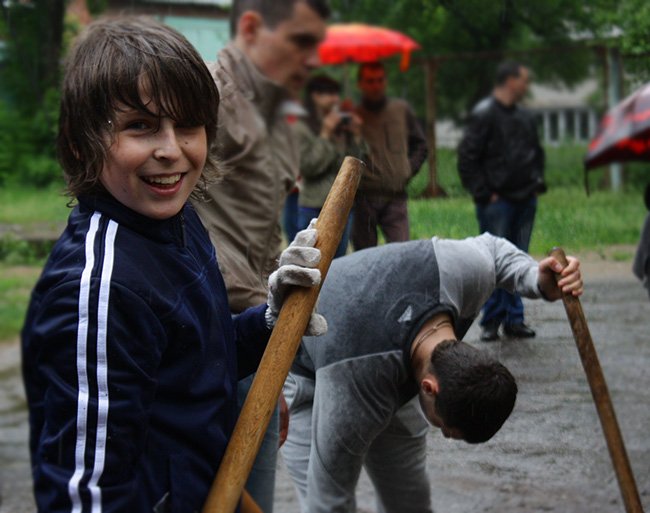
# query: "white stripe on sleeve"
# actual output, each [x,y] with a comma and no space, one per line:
[82,371]
[102,367]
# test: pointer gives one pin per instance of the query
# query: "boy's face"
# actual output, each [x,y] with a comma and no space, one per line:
[153,165]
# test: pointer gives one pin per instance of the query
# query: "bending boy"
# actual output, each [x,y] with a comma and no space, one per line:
[396,315]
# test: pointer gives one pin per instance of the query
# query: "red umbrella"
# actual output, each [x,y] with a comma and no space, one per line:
[624,132]
[357,42]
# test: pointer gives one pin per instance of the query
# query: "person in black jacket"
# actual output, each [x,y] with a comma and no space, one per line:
[501,163]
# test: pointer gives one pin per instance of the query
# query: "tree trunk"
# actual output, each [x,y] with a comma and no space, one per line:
[433,189]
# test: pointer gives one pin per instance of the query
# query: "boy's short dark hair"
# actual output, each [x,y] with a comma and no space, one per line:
[273,12]
[506,70]
[107,67]
[476,393]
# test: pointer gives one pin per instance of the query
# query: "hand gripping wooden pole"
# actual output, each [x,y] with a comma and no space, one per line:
[601,396]
[281,350]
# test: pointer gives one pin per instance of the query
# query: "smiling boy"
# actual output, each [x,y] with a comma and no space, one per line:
[130,354]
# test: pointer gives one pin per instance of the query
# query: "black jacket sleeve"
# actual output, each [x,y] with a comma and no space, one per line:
[471,151]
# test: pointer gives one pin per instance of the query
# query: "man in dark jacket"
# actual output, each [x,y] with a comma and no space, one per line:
[501,163]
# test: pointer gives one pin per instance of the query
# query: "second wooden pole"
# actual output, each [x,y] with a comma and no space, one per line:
[600,393]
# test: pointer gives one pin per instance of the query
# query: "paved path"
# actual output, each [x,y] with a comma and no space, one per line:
[549,457]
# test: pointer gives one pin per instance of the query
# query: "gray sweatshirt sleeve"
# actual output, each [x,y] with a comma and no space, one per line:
[470,269]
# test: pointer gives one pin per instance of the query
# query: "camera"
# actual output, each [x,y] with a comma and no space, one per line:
[345,118]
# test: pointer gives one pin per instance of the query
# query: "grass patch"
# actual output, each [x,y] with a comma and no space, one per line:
[22,205]
[16,283]
[565,218]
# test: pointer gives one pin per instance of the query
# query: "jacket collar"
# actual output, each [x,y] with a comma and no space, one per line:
[260,90]
[171,230]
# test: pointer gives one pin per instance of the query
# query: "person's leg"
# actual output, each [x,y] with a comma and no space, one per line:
[261,481]
[394,220]
[305,215]
[290,216]
[523,221]
[521,229]
[396,463]
[495,219]
[364,224]
[342,431]
[299,394]
[342,248]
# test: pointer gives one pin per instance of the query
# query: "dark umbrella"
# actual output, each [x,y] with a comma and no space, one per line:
[624,132]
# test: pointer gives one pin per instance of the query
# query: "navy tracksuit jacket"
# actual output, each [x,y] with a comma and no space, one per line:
[130,361]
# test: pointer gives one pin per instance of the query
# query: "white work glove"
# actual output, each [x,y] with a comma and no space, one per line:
[297,266]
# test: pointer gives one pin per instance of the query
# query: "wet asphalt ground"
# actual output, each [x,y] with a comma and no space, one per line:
[550,456]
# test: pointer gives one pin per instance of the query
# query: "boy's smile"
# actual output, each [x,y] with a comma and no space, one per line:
[153,164]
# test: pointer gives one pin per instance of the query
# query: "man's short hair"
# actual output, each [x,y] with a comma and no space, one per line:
[506,70]
[107,67]
[375,65]
[476,393]
[273,11]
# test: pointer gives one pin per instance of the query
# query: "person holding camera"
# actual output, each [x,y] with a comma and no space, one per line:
[325,136]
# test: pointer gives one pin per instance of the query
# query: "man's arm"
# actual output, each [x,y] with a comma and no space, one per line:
[540,155]
[107,423]
[417,142]
[516,270]
[470,155]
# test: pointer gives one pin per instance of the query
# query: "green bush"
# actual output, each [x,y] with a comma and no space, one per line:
[14,251]
[27,148]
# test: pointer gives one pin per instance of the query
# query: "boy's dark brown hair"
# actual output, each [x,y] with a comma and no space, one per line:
[109,65]
[477,393]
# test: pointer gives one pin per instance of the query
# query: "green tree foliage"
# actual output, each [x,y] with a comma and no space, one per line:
[631,19]
[33,33]
[470,37]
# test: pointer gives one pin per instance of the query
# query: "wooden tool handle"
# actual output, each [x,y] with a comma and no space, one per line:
[281,350]
[600,394]
[248,504]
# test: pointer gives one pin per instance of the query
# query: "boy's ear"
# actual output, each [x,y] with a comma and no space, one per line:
[249,25]
[429,385]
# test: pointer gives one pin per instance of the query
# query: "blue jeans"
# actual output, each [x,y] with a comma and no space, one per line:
[290,216]
[306,214]
[261,481]
[512,220]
